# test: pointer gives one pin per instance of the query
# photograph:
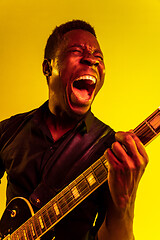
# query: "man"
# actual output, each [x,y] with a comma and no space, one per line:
[44,150]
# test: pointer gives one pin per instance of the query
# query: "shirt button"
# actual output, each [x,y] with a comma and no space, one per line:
[51,148]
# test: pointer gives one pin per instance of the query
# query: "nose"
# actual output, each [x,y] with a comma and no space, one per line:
[89,60]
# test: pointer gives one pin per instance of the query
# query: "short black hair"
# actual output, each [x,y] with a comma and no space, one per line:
[57,35]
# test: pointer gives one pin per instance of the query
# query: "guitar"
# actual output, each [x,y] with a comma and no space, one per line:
[20,222]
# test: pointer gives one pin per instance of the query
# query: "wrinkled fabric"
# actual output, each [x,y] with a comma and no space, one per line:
[38,167]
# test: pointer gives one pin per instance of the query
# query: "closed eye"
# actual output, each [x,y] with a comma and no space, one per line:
[76,49]
[99,57]
[98,54]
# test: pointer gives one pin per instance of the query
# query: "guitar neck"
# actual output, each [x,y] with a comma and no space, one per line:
[80,188]
[149,129]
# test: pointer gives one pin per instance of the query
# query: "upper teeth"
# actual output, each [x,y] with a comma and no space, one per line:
[87,77]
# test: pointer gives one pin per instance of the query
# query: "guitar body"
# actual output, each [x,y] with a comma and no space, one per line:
[16,213]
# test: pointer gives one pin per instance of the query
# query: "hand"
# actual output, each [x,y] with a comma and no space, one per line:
[127,160]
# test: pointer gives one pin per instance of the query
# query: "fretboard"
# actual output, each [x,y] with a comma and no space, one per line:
[80,188]
[149,128]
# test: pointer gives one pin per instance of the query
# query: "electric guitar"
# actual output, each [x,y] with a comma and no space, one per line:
[20,222]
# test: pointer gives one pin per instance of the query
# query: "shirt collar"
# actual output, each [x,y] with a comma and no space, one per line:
[85,123]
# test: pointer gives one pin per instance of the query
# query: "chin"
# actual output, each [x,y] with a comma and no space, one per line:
[78,112]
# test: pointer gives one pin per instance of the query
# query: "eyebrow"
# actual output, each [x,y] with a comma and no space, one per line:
[82,46]
[77,45]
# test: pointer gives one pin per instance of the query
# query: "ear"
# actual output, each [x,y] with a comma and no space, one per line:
[47,68]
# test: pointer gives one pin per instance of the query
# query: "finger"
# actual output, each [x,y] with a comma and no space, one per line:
[140,147]
[122,156]
[111,158]
[135,149]
[126,139]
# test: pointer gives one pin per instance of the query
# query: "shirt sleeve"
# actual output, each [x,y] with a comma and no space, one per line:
[2,168]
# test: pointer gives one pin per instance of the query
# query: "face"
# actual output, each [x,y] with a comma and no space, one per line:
[77,74]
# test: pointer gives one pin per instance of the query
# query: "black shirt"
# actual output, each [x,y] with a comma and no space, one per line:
[38,167]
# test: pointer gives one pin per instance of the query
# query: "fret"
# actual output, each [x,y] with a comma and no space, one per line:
[51,214]
[75,192]
[155,123]
[14,236]
[105,162]
[41,223]
[28,230]
[37,228]
[149,128]
[69,198]
[82,185]
[91,178]
[20,235]
[46,218]
[56,209]
[17,235]
[24,234]
[82,188]
[100,171]
[32,229]
[145,133]
[62,203]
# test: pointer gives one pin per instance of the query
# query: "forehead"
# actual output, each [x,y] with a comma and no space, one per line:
[80,37]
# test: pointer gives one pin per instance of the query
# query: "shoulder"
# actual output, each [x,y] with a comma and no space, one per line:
[15,123]
[12,125]
[14,120]
[18,119]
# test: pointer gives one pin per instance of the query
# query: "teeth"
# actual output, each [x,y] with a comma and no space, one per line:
[87,77]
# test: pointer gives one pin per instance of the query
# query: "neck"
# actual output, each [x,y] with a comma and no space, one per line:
[59,125]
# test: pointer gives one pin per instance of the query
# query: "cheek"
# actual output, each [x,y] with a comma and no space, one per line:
[102,70]
[102,76]
[102,73]
[67,71]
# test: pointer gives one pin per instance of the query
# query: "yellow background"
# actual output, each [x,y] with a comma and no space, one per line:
[129,34]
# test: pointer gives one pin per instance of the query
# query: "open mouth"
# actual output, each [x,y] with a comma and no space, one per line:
[83,88]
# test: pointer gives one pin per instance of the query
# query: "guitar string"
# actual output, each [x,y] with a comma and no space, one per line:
[63,209]
[139,130]
[151,121]
[67,190]
[29,221]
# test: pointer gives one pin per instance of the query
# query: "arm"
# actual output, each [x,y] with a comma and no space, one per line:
[126,167]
